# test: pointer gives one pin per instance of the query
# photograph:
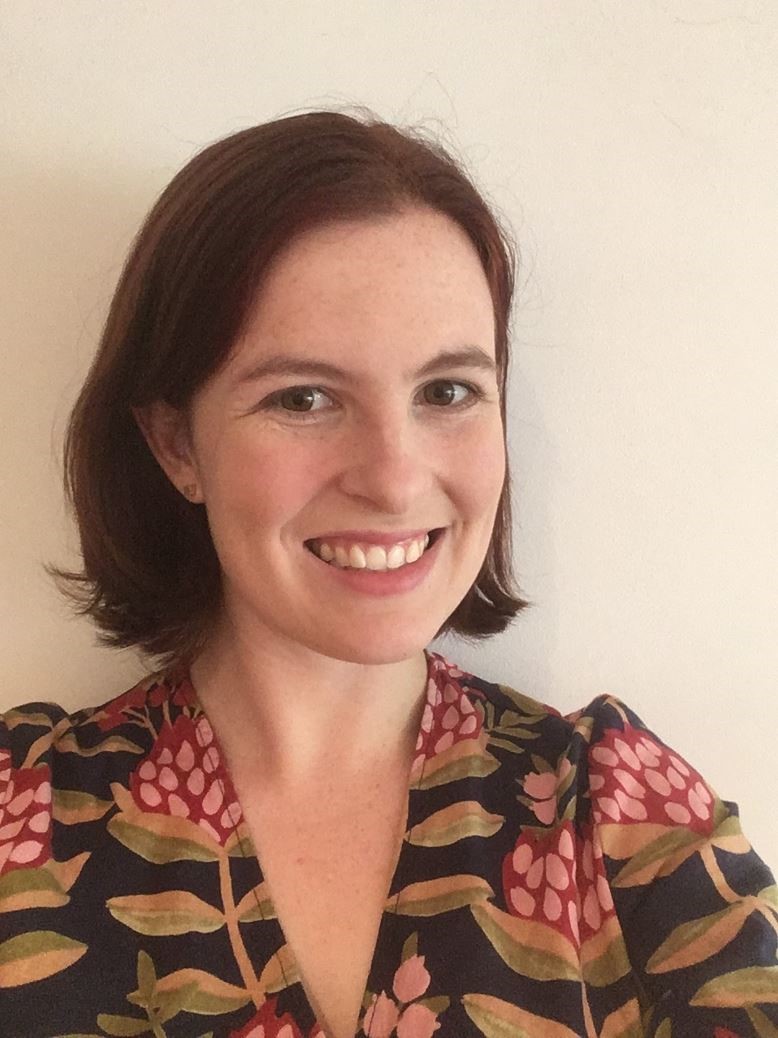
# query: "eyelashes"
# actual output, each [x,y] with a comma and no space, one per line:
[299,401]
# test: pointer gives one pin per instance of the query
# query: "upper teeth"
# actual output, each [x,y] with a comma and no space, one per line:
[371,556]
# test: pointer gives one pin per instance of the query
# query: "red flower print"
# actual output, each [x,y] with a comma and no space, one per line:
[634,779]
[265,1024]
[596,905]
[183,777]
[149,692]
[25,816]
[449,715]
[539,879]
[724,1032]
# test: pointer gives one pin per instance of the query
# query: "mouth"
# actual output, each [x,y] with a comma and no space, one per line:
[363,555]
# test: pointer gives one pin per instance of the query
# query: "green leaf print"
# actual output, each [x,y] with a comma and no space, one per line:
[113,744]
[70,807]
[205,993]
[123,1026]
[495,1018]
[434,896]
[30,888]
[750,986]
[453,823]
[36,955]
[531,949]
[699,939]
[171,912]
[763,1027]
[465,759]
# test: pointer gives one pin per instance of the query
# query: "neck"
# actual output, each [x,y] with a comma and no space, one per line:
[284,713]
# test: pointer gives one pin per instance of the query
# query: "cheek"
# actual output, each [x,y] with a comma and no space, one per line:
[477,470]
[257,489]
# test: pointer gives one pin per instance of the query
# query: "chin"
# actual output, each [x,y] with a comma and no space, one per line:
[374,647]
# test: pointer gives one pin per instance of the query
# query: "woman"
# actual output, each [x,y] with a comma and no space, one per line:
[288,470]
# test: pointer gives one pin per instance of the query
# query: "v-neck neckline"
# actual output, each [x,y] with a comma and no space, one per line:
[421,753]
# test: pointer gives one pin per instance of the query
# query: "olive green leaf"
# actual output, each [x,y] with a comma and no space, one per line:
[36,955]
[279,972]
[113,744]
[701,938]
[30,888]
[159,838]
[495,1018]
[70,807]
[435,896]
[750,986]
[122,1026]
[604,958]
[665,1029]
[453,823]
[763,1027]
[770,896]
[171,912]
[206,994]
[467,758]
[531,949]
[256,905]
[13,718]
[411,947]
[624,1022]
[648,862]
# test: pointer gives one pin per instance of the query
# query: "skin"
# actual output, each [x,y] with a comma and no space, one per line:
[379,298]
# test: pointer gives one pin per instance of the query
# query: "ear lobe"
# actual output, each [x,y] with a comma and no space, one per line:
[166,432]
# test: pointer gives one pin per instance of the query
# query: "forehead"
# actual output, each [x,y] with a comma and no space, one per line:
[411,280]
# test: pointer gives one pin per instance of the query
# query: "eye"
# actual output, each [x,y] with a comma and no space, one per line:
[297,399]
[446,393]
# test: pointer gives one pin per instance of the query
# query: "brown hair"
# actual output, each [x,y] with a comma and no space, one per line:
[151,577]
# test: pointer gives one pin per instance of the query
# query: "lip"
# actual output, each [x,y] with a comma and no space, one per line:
[378,583]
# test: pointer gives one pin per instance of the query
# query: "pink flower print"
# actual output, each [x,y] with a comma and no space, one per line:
[634,779]
[541,786]
[381,1017]
[25,816]
[417,1021]
[411,979]
[539,879]
[265,1024]
[405,1018]
[183,777]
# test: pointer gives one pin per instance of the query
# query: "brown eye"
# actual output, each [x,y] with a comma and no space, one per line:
[443,393]
[299,398]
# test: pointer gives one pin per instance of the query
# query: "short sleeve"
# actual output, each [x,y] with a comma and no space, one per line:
[27,736]
[697,908]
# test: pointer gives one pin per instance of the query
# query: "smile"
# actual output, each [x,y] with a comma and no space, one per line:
[376,557]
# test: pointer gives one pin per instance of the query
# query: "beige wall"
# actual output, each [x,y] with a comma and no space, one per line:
[631,144]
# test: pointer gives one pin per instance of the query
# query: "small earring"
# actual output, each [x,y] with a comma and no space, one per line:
[190,491]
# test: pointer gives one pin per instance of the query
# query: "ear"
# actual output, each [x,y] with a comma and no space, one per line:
[166,431]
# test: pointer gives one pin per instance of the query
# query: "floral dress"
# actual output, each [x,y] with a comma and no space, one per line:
[559,878]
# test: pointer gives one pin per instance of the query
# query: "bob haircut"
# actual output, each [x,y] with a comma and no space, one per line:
[151,577]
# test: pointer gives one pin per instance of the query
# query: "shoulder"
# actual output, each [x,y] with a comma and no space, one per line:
[59,766]
[601,762]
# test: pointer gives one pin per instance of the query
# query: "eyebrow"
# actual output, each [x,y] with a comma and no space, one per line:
[282,364]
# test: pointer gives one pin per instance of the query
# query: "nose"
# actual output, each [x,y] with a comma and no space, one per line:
[387,466]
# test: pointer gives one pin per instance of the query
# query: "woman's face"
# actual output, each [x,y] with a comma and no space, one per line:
[359,409]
